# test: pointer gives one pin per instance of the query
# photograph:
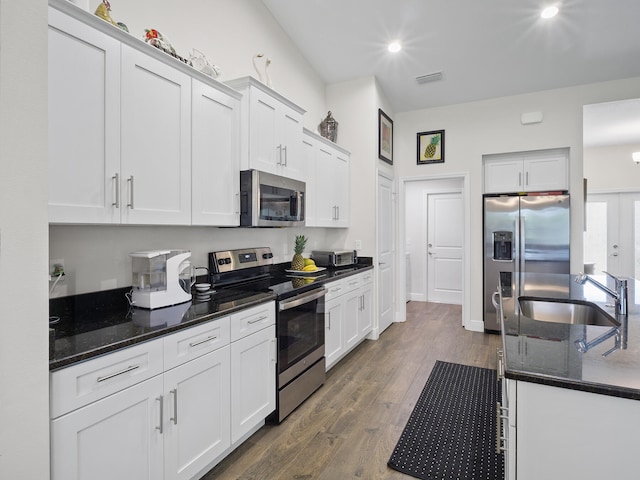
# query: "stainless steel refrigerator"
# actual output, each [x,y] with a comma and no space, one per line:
[522,234]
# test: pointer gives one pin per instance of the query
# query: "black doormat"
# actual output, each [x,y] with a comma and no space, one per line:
[451,431]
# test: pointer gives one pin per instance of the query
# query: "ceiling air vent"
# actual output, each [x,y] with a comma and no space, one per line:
[429,77]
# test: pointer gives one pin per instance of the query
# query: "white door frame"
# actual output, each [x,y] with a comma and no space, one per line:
[467,323]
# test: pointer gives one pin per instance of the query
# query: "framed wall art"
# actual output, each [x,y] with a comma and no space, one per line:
[385,137]
[431,147]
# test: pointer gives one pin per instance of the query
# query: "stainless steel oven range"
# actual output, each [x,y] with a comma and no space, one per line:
[299,319]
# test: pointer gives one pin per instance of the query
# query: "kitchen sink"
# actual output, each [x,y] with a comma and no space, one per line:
[565,311]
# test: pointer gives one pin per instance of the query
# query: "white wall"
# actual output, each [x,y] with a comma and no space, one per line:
[230,33]
[24,385]
[97,257]
[493,126]
[611,168]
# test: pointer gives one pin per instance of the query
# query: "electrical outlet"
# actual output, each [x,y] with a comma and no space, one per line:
[358,244]
[56,267]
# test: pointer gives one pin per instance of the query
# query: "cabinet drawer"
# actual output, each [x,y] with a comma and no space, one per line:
[335,289]
[92,380]
[352,283]
[251,320]
[194,342]
[366,278]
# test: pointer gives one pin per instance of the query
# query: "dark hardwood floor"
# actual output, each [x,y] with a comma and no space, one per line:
[349,427]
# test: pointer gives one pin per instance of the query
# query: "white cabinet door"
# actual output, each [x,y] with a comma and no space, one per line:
[117,437]
[215,156]
[312,192]
[253,381]
[341,189]
[547,171]
[327,183]
[333,331]
[365,315]
[84,123]
[351,302]
[503,176]
[156,142]
[197,405]
[265,151]
[290,137]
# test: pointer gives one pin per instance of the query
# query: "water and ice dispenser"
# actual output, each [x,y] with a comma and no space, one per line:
[503,252]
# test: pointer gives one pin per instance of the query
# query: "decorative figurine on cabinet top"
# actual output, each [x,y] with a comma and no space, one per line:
[202,64]
[266,80]
[329,128]
[103,11]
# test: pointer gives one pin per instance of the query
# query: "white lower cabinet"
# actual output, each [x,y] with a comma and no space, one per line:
[564,433]
[348,315]
[253,381]
[170,408]
[116,437]
[197,404]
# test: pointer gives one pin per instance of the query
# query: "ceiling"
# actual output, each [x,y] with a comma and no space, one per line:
[484,48]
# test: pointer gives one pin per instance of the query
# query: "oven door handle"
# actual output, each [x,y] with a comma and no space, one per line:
[302,299]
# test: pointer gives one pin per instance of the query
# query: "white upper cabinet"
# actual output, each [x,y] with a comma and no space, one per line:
[84,122]
[156,143]
[527,172]
[126,130]
[271,132]
[328,182]
[215,155]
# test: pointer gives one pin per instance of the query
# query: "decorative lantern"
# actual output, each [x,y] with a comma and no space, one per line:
[329,128]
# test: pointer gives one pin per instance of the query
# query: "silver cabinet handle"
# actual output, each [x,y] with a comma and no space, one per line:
[519,178]
[279,148]
[237,204]
[161,413]
[195,344]
[285,156]
[130,181]
[338,212]
[526,177]
[174,419]
[130,368]
[251,322]
[500,357]
[329,320]
[116,191]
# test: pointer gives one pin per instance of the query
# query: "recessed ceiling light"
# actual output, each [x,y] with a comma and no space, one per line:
[549,12]
[394,47]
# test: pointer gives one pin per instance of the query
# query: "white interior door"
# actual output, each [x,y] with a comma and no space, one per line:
[386,253]
[445,234]
[612,236]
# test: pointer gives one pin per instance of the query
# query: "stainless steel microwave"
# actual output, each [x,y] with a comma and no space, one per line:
[268,200]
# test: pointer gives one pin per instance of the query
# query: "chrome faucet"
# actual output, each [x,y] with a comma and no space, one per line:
[619,295]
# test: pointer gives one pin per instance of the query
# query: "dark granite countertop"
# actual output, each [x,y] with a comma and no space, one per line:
[546,353]
[96,323]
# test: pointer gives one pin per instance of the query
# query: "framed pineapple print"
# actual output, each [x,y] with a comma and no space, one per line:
[431,147]
[385,137]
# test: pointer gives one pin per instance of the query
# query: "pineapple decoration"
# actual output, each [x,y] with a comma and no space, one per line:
[297,263]
[430,151]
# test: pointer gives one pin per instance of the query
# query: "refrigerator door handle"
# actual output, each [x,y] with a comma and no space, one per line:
[522,251]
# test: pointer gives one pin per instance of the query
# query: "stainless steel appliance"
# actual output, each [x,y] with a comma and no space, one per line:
[161,278]
[268,200]
[299,319]
[522,234]
[334,258]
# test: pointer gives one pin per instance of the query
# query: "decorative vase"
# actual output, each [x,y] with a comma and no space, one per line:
[329,128]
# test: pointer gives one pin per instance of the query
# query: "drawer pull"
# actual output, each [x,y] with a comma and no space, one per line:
[264,317]
[126,370]
[195,344]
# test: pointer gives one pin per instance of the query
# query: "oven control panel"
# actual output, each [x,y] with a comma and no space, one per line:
[232,260]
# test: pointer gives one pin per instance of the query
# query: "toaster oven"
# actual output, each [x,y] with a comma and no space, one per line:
[334,258]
